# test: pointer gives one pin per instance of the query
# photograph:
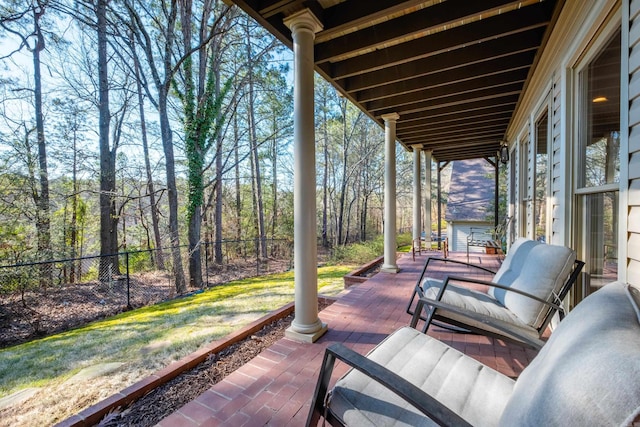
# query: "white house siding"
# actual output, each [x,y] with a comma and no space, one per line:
[526,186]
[633,195]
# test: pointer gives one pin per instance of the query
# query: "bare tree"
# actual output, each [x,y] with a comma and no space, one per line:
[162,68]
[34,41]
[155,222]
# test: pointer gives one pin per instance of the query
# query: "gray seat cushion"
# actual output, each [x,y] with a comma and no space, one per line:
[588,373]
[479,303]
[471,389]
[532,267]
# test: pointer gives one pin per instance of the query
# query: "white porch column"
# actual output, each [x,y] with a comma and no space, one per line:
[417,195]
[390,243]
[427,191]
[306,325]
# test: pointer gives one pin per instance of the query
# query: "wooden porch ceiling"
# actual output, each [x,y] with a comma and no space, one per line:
[453,70]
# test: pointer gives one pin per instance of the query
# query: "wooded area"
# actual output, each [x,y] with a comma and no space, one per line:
[129,125]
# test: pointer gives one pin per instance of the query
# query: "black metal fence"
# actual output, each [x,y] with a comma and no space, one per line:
[41,298]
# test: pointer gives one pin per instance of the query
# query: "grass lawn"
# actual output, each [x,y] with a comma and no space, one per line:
[144,340]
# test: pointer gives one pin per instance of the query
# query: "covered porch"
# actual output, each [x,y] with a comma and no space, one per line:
[449,82]
[443,79]
[276,387]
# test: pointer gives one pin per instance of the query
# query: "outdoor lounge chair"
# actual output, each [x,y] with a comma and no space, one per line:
[588,374]
[524,295]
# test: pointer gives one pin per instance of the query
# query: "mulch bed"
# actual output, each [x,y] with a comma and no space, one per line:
[171,396]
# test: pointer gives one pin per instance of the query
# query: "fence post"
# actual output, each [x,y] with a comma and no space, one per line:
[126,258]
[206,263]
[257,243]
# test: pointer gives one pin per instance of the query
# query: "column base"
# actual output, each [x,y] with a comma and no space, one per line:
[310,337]
[389,269]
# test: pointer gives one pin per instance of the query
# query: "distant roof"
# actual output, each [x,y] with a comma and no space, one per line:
[471,192]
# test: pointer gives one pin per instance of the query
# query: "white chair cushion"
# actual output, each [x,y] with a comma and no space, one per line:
[512,264]
[545,269]
[469,388]
[588,373]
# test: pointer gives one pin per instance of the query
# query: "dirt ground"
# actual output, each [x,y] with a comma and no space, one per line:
[168,398]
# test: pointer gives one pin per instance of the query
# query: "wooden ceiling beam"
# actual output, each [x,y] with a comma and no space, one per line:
[501,103]
[453,131]
[485,134]
[472,87]
[519,62]
[455,121]
[447,61]
[458,100]
[395,30]
[343,17]
[447,156]
[535,16]
[455,143]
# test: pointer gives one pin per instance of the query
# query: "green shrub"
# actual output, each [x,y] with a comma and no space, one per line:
[138,261]
[363,252]
[404,241]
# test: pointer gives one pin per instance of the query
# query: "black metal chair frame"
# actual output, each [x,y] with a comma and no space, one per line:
[422,401]
[410,310]
[508,332]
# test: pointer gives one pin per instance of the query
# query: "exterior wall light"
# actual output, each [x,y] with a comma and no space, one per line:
[503,153]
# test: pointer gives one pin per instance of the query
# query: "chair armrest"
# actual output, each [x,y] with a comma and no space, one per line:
[455,262]
[418,289]
[506,327]
[422,401]
[494,285]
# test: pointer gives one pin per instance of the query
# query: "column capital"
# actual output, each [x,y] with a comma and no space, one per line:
[303,20]
[390,117]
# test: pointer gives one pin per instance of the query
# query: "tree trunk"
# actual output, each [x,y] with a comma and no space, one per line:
[255,161]
[218,190]
[108,218]
[162,84]
[195,248]
[274,177]
[155,222]
[237,181]
[343,184]
[172,191]
[73,238]
[363,218]
[43,226]
[325,174]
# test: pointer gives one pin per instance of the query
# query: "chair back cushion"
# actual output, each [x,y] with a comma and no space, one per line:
[512,265]
[588,373]
[545,268]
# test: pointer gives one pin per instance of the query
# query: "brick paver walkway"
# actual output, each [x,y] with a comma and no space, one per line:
[276,387]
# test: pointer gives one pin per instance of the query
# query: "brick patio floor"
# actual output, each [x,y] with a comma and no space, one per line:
[275,388]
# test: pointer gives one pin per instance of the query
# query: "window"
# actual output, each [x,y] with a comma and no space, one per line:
[513,224]
[598,161]
[600,146]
